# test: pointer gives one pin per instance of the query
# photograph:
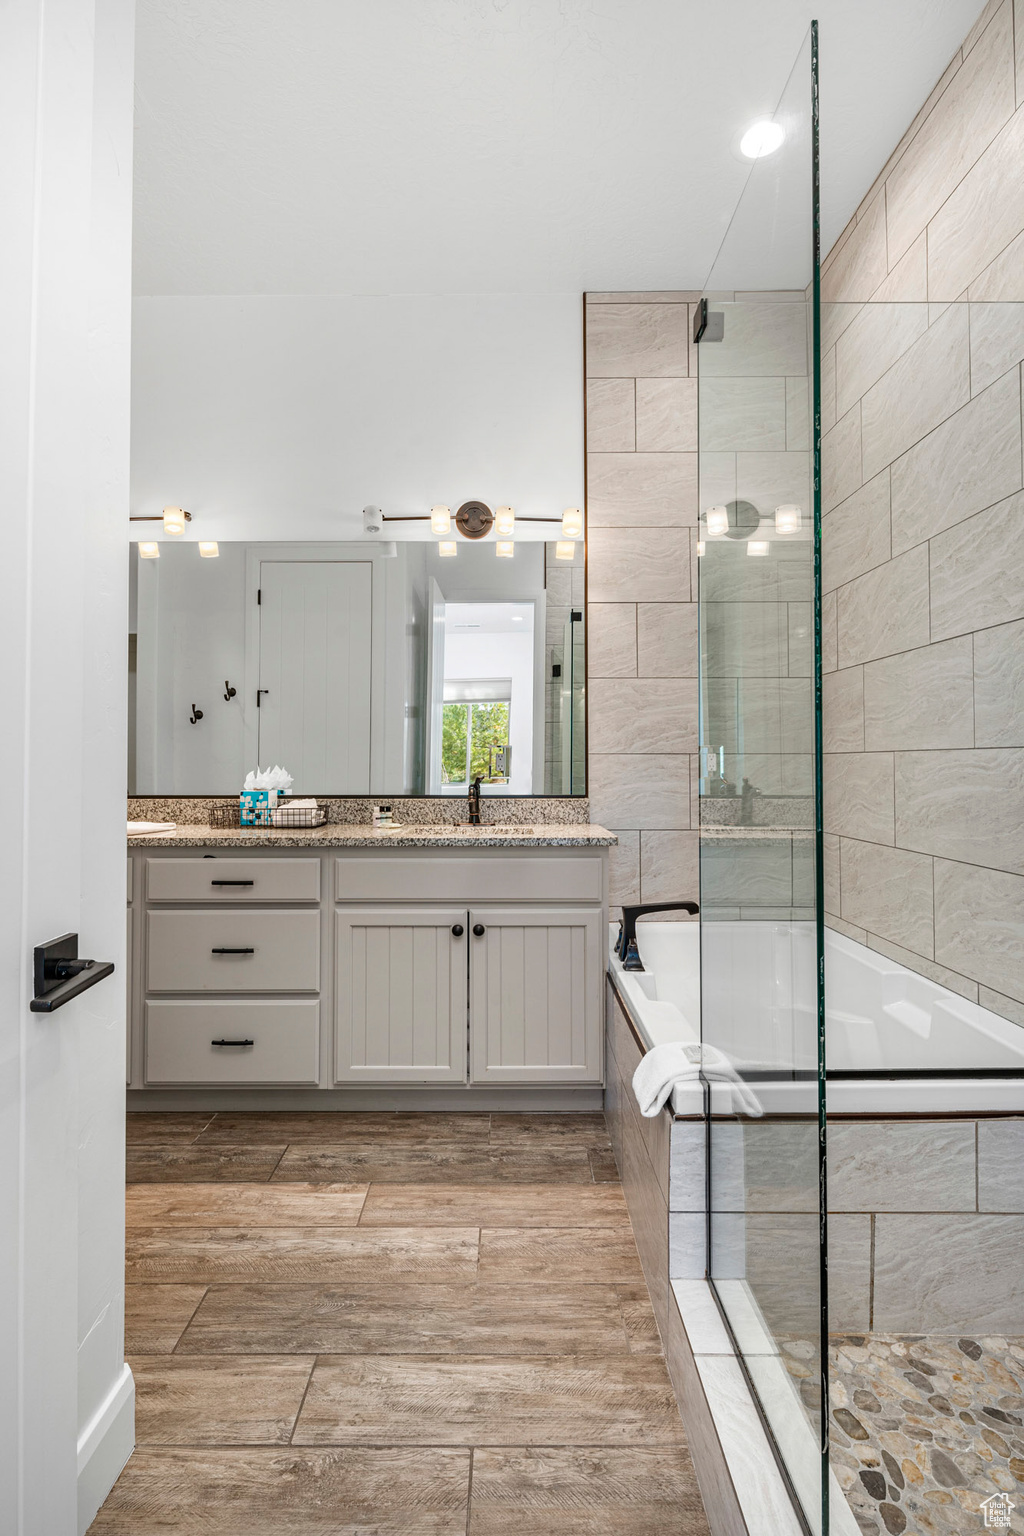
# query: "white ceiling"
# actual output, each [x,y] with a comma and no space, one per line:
[491,146]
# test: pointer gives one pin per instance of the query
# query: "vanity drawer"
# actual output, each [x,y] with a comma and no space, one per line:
[273,951]
[181,1042]
[480,877]
[233,881]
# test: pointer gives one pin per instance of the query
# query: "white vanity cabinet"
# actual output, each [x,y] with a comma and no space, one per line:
[435,967]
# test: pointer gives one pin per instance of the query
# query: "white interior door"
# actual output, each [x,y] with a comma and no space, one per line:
[315,651]
[435,684]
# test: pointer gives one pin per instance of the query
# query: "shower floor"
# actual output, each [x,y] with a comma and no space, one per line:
[925,1428]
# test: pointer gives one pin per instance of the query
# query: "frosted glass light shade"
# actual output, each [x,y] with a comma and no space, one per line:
[149,551]
[174,520]
[787,519]
[505,522]
[758,547]
[718,520]
[504,549]
[572,523]
[565,549]
[210,550]
[440,519]
[448,550]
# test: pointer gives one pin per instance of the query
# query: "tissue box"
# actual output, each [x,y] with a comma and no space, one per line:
[255,807]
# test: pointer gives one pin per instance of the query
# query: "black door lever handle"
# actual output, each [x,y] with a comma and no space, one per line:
[59,974]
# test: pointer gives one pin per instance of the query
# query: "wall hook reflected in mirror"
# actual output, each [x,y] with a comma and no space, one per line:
[229,692]
[195,716]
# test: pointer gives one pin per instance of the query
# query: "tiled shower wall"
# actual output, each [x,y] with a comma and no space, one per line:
[923,538]
[642,588]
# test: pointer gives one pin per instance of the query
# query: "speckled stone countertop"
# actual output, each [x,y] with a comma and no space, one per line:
[360,835]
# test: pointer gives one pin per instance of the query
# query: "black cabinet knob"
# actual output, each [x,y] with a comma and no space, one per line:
[479,930]
[458,930]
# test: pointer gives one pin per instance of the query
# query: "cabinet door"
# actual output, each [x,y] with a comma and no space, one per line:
[400,995]
[535,1012]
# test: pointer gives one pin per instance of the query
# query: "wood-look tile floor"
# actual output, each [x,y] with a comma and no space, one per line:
[402,1324]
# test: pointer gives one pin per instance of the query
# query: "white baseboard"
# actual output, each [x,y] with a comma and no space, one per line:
[104,1446]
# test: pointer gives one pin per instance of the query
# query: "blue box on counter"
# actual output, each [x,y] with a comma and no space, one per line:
[255,807]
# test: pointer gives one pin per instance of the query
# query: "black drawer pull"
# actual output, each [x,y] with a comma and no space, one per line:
[232,882]
[479,930]
[232,1042]
[232,951]
[458,930]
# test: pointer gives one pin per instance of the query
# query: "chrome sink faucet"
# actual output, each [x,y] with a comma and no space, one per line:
[474,802]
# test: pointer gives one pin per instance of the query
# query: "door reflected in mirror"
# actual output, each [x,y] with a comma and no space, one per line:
[361,668]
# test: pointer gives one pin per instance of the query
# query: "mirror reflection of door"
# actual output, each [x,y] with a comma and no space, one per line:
[314,672]
[491,707]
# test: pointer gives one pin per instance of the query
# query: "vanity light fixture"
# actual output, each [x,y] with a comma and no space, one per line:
[787,519]
[505,549]
[572,523]
[565,549]
[762,138]
[175,519]
[149,551]
[758,547]
[505,522]
[718,520]
[210,550]
[448,549]
[440,520]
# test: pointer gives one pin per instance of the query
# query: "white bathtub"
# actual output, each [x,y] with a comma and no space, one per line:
[881,1019]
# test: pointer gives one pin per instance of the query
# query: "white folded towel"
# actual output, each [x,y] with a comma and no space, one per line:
[140,828]
[681,1061]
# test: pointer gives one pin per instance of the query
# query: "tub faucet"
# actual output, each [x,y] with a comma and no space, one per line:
[474,802]
[625,946]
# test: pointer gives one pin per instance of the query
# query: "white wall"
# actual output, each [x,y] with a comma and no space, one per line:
[282,417]
[66,1400]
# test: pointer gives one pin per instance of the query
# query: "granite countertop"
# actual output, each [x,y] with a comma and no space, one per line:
[360,835]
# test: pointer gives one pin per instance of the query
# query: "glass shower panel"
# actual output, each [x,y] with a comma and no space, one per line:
[759,864]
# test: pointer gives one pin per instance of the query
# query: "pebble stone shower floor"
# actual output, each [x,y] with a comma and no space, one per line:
[397,1324]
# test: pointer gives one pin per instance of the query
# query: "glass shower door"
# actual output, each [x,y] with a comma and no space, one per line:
[759,826]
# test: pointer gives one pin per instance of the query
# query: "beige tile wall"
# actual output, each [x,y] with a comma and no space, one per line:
[642,600]
[923,537]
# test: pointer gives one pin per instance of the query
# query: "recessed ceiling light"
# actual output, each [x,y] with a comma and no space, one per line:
[762,138]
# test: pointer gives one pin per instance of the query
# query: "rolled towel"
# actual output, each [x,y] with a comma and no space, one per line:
[681,1061]
[142,828]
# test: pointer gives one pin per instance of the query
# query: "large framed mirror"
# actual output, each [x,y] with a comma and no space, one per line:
[363,667]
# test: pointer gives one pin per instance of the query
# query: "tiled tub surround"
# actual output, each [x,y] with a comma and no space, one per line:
[641,414]
[923,491]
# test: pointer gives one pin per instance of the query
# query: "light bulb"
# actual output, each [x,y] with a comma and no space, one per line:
[572,523]
[505,522]
[787,519]
[149,551]
[504,549]
[762,138]
[700,548]
[174,520]
[758,547]
[440,519]
[448,551]
[718,519]
[565,549]
[209,551]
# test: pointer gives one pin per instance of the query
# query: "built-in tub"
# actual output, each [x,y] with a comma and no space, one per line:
[896,1042]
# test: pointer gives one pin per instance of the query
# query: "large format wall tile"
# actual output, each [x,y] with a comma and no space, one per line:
[857,795]
[738,415]
[841,460]
[624,868]
[762,340]
[977,571]
[933,1275]
[627,564]
[921,699]
[611,416]
[643,715]
[981,217]
[666,415]
[1002,281]
[997,341]
[861,264]
[831,850]
[1001,1165]
[666,639]
[889,892]
[977,102]
[637,340]
[885,610]
[924,386]
[935,1159]
[746,639]
[979,917]
[999,686]
[965,805]
[961,985]
[879,335]
[969,462]
[640,791]
[611,639]
[842,710]
[669,866]
[855,537]
[627,490]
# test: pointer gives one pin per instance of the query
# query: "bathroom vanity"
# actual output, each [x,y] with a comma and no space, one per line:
[346,958]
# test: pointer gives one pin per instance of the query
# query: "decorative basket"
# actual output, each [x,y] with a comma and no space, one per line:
[288,817]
